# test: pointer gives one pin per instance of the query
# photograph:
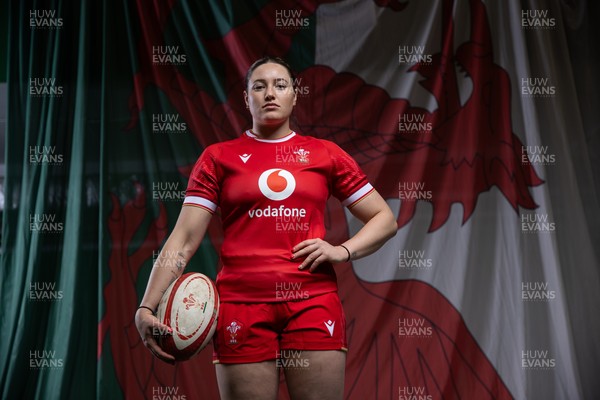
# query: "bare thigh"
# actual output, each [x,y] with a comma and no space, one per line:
[253,381]
[320,375]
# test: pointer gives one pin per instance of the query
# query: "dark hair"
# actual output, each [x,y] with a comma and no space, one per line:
[266,60]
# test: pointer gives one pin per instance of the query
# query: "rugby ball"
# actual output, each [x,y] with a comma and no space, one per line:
[190,307]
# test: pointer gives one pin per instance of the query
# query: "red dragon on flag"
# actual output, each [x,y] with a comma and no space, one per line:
[470,149]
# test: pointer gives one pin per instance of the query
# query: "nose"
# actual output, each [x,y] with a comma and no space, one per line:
[269,93]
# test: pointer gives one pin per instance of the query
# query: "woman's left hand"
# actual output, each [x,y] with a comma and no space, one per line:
[318,251]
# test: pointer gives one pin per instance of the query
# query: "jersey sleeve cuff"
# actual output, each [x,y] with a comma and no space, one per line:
[200,202]
[358,195]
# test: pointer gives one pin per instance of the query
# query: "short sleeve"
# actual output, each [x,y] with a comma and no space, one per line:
[203,186]
[349,182]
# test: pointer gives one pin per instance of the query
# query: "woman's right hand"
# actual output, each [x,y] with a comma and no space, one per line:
[150,328]
[177,251]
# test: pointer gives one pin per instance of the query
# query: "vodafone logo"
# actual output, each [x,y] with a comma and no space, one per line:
[276,184]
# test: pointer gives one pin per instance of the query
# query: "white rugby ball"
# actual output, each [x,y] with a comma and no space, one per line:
[190,307]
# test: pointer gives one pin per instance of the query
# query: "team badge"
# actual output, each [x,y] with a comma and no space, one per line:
[192,302]
[235,333]
[302,155]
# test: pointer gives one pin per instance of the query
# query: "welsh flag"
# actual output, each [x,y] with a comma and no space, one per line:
[464,115]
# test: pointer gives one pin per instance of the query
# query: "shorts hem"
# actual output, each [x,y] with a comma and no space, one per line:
[263,358]
[244,359]
[314,346]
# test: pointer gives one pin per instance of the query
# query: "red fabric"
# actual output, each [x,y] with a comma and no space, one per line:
[255,332]
[272,196]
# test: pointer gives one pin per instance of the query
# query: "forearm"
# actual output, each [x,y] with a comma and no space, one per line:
[376,231]
[176,253]
[169,266]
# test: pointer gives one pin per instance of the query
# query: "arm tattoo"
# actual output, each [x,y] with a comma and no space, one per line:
[181,262]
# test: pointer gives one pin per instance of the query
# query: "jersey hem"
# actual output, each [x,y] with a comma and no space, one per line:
[224,298]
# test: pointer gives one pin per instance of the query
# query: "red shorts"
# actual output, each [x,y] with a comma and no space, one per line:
[255,332]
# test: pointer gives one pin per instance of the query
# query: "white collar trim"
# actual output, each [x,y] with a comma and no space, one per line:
[280,140]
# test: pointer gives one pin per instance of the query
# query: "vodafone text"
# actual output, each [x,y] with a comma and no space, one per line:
[281,211]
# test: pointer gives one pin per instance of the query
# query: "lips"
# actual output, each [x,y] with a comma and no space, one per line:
[270,105]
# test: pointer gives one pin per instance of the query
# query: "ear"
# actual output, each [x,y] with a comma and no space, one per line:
[246,99]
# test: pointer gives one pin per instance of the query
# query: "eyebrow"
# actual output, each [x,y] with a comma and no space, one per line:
[259,80]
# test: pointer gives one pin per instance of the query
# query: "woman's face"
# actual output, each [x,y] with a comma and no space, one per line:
[270,95]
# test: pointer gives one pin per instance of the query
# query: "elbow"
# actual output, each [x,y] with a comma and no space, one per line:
[392,229]
[391,226]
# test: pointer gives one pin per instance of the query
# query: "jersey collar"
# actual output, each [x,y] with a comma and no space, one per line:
[280,140]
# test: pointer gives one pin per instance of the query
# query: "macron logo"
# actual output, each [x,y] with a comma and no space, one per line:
[330,325]
[245,157]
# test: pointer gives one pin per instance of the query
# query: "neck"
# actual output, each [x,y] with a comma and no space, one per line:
[271,132]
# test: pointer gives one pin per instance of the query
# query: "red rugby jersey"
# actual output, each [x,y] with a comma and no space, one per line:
[272,195]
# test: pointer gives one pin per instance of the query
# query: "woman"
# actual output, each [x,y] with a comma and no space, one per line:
[278,291]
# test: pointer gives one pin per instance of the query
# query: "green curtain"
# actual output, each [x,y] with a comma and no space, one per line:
[83,220]
[50,230]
